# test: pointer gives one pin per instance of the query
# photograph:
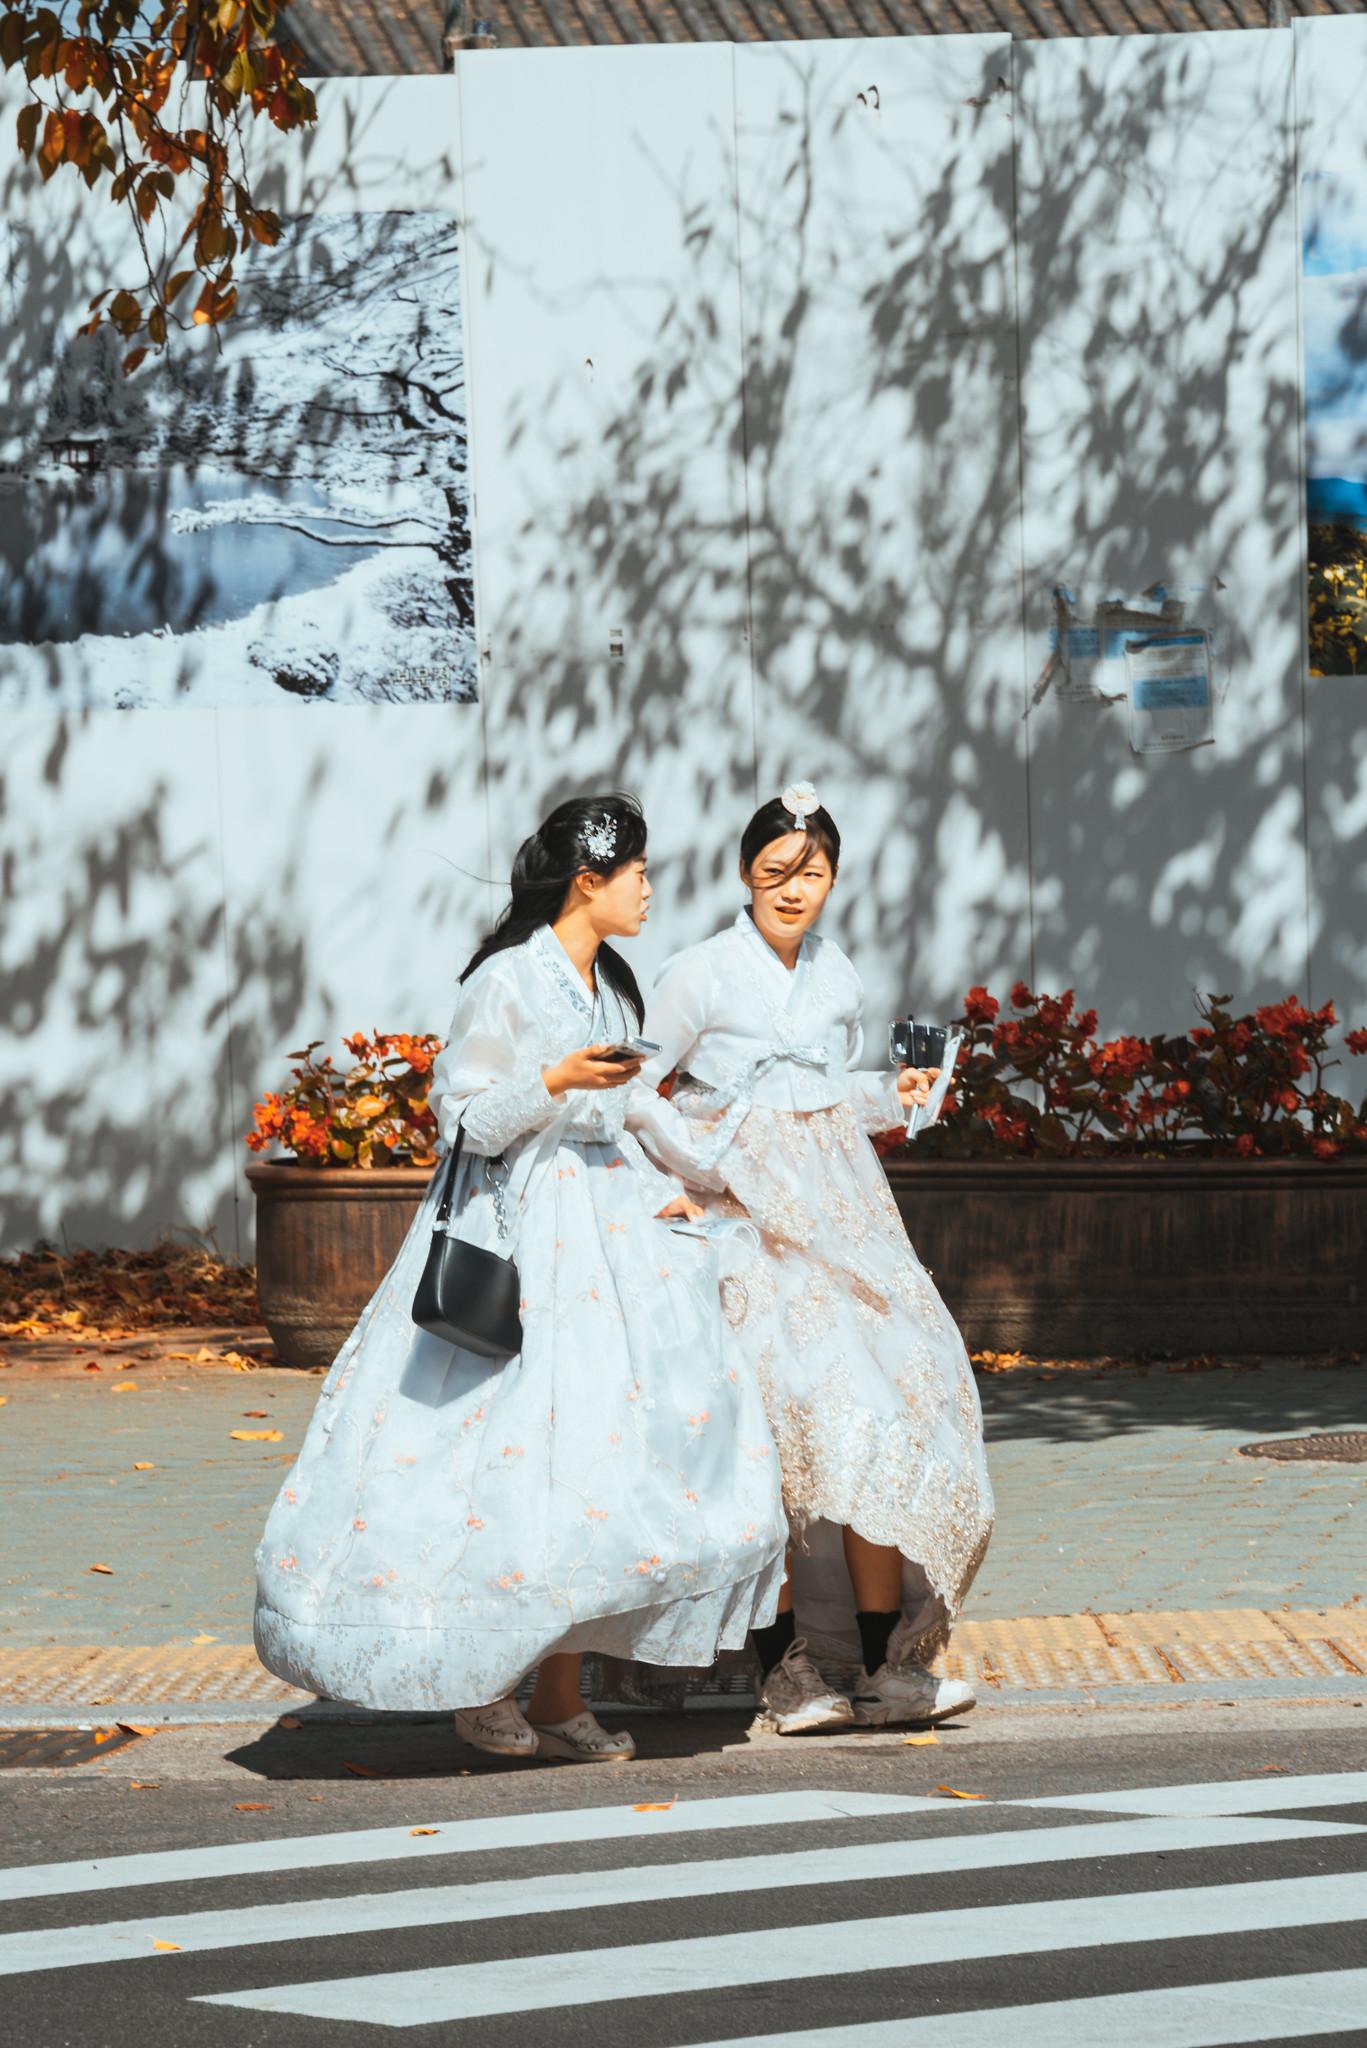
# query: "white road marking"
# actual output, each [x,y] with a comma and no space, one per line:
[1191,2016]
[453,1837]
[412,1998]
[1269,1794]
[62,1948]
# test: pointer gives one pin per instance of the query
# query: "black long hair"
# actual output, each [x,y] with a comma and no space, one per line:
[548,862]
[775,821]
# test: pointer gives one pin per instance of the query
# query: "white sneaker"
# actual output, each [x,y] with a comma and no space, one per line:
[795,1697]
[583,1740]
[908,1692]
[500,1729]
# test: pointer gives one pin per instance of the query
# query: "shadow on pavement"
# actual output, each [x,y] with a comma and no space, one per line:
[1253,1400]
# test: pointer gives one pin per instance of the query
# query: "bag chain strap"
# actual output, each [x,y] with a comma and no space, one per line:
[498,1175]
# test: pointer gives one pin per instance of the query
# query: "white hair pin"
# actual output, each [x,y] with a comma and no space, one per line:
[801,800]
[601,840]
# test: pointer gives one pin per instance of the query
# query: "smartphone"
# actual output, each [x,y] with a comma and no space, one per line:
[630,1049]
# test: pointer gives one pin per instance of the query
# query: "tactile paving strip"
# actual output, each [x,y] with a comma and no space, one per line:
[1047,1652]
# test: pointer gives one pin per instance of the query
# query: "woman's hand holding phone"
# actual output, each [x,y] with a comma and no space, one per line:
[592,1067]
[913,1084]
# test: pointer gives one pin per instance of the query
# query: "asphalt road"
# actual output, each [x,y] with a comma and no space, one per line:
[826,1893]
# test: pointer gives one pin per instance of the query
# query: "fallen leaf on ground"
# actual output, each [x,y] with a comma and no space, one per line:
[91,1366]
[915,1741]
[990,1674]
[3,1399]
[103,1568]
[364,1771]
[258,1436]
[654,1806]
[255,1414]
[135,1728]
[144,1784]
[954,1794]
[1274,1767]
[204,1639]
[238,1362]
[424,1831]
[124,1387]
[164,1944]
[144,1468]
[250,1806]
[290,1721]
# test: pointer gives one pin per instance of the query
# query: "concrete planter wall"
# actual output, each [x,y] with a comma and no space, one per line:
[1116,1256]
[324,1239]
[1085,1256]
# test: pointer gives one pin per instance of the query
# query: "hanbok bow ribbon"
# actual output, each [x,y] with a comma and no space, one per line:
[733,1096]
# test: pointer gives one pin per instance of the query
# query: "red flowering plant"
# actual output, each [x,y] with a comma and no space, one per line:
[1038,1084]
[374,1114]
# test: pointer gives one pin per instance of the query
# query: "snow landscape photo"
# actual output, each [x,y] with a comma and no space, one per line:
[271,514]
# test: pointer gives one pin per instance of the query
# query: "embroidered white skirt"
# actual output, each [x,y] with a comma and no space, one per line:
[868,1386]
[614,1488]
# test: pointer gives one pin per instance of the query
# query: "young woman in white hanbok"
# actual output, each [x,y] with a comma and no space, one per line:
[868,1386]
[449,1524]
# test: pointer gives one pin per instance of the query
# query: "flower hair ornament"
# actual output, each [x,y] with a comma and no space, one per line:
[801,800]
[600,840]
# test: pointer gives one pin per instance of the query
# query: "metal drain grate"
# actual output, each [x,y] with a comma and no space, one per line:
[1341,1447]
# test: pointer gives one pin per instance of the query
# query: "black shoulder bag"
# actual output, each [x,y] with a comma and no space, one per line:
[468,1296]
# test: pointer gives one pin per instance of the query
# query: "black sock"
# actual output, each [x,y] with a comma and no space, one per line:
[771,1643]
[874,1632]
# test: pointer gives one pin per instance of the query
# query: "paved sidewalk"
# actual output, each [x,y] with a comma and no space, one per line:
[1120,1495]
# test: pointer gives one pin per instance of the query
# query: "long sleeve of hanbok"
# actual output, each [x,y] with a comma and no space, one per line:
[489,1077]
[677,1010]
[873,1094]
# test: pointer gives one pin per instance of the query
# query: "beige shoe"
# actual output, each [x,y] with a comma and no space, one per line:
[500,1729]
[895,1695]
[795,1698]
[581,1740]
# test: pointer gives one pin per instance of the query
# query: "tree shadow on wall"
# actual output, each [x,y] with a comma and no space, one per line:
[877,417]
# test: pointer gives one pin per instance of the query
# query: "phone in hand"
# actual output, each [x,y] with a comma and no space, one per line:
[629,1049]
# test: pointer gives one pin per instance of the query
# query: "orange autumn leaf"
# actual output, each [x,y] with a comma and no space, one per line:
[124,1387]
[204,1639]
[915,1741]
[364,1771]
[250,1806]
[257,1436]
[289,1721]
[135,1728]
[144,1468]
[424,1831]
[955,1794]
[255,1414]
[654,1806]
[164,1944]
[144,1784]
[103,1568]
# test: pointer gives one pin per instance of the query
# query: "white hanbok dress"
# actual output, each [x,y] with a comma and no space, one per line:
[614,1488]
[868,1386]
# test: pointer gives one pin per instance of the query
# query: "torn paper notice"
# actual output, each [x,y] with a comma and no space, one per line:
[924,1114]
[1168,678]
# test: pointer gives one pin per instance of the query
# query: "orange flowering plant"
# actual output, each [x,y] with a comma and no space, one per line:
[1038,1083]
[374,1114]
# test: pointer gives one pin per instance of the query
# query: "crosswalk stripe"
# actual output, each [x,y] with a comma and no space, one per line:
[1240,1795]
[1188,2016]
[410,1998]
[588,1890]
[459,1837]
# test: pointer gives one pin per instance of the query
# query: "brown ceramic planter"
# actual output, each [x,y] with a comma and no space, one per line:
[1096,1257]
[325,1237]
